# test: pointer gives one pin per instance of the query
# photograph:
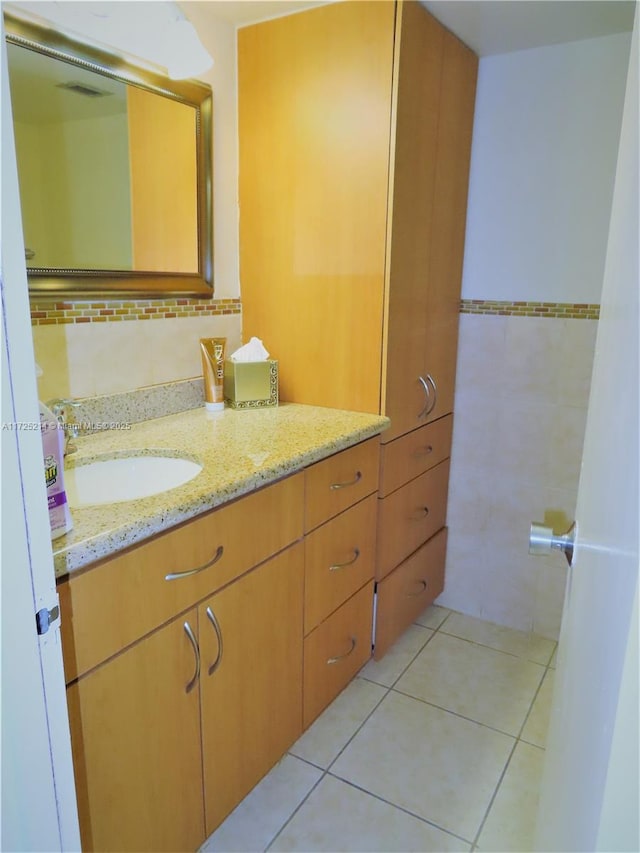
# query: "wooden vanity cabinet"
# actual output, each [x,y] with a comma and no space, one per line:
[185,687]
[355,123]
[164,747]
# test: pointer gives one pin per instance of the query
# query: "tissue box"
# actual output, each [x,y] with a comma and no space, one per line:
[251,384]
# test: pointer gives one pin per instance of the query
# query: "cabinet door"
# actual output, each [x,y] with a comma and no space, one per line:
[135,734]
[455,126]
[416,102]
[314,92]
[251,680]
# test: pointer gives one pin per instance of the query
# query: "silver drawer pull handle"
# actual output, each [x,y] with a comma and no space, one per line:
[176,575]
[355,480]
[420,591]
[216,628]
[336,566]
[425,411]
[432,382]
[354,643]
[423,512]
[423,451]
[196,649]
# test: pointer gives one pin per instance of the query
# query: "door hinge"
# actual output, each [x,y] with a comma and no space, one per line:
[45,618]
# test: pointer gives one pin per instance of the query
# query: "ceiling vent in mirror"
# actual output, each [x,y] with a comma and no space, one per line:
[83,89]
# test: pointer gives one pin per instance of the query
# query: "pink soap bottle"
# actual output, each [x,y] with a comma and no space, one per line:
[53,447]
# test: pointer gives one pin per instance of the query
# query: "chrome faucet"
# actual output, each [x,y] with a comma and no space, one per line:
[59,407]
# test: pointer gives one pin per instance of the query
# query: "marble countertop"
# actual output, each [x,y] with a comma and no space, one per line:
[240,450]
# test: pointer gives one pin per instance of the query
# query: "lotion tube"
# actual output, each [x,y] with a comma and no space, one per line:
[212,351]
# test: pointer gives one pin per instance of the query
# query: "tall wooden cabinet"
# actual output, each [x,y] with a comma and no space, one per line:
[355,124]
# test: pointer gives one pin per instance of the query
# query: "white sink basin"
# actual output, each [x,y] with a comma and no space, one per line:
[126,478]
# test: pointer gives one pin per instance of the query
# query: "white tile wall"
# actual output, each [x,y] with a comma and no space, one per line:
[520,413]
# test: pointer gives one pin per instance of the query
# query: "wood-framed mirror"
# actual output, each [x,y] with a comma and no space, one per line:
[115,170]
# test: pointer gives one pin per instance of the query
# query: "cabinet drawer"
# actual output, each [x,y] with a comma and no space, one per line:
[340,481]
[404,594]
[121,599]
[410,516]
[413,454]
[335,651]
[339,559]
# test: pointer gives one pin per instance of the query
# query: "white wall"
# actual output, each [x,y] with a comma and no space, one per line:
[543,163]
[544,155]
[219,37]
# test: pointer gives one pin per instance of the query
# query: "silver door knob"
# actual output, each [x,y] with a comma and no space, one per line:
[542,540]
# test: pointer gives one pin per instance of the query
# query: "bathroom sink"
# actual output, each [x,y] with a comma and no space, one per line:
[126,478]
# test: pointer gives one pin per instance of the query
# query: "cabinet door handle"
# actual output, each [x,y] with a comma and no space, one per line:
[196,651]
[336,566]
[423,585]
[432,382]
[355,480]
[173,576]
[216,628]
[427,393]
[423,451]
[423,512]
[354,643]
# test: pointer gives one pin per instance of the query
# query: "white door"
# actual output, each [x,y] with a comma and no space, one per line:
[38,793]
[589,797]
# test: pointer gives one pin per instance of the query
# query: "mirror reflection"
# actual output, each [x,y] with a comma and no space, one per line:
[115,169]
[107,170]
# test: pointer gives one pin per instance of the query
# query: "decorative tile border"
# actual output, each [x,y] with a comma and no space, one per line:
[558,310]
[62,313]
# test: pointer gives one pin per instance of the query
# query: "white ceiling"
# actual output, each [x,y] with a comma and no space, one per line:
[502,26]
[487,26]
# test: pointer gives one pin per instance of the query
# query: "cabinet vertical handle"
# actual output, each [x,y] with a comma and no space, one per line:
[355,480]
[216,627]
[425,410]
[196,650]
[354,643]
[336,566]
[423,587]
[173,576]
[432,382]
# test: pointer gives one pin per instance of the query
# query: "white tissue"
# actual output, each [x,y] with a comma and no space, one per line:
[253,351]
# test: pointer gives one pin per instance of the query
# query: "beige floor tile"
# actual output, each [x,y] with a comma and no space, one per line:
[510,825]
[537,725]
[338,723]
[397,659]
[554,659]
[520,643]
[482,684]
[339,817]
[430,762]
[262,813]
[433,617]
